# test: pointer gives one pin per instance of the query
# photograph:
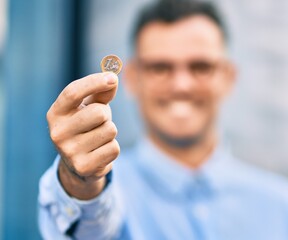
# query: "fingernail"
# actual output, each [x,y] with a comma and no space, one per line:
[111,78]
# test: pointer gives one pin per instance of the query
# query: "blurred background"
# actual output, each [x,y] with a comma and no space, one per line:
[46,44]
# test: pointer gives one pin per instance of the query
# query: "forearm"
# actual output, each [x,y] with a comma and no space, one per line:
[101,216]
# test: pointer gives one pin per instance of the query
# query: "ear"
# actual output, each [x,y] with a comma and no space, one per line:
[130,78]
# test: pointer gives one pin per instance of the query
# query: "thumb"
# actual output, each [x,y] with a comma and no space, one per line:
[106,96]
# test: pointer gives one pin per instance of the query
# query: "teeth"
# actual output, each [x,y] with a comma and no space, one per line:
[180,108]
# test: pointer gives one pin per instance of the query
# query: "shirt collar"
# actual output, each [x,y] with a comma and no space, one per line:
[167,175]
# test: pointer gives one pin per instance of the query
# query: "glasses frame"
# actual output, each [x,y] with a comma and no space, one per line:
[162,70]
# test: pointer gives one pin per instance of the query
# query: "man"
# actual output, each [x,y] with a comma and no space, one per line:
[177,182]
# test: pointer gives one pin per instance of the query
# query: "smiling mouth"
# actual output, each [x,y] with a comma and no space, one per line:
[182,104]
[178,109]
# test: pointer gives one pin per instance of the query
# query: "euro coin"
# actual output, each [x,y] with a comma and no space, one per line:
[111,63]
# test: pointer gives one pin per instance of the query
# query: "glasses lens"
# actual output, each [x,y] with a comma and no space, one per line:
[161,70]
[157,70]
[202,69]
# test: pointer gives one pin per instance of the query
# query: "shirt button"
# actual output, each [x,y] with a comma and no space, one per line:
[69,211]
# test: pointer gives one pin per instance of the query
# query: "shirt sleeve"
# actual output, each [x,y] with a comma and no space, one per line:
[99,218]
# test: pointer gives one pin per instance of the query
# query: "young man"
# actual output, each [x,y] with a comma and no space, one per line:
[177,182]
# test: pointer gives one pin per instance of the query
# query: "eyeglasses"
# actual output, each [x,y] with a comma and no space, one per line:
[200,69]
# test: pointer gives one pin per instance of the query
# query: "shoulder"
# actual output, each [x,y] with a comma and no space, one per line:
[258,181]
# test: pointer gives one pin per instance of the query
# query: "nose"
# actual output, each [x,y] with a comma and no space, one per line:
[183,81]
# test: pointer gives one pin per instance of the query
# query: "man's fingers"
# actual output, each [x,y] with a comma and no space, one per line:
[102,97]
[89,141]
[84,120]
[104,84]
[97,160]
[89,118]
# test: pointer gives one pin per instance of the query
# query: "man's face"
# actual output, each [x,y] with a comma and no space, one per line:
[179,76]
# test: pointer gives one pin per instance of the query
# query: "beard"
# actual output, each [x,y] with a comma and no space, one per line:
[181,142]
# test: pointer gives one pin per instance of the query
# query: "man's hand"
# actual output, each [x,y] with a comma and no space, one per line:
[81,127]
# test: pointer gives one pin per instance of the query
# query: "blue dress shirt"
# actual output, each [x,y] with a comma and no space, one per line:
[151,196]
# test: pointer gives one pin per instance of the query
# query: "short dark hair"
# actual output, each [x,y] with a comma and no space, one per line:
[170,11]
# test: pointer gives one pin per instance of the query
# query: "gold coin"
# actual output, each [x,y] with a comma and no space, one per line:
[111,63]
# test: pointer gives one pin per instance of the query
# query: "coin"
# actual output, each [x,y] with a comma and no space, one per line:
[111,63]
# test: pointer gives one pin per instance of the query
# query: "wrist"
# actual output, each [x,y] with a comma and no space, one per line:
[77,186]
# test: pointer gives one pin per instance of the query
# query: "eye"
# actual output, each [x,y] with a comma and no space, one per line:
[158,68]
[202,69]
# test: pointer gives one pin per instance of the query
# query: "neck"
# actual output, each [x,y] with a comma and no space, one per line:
[192,156]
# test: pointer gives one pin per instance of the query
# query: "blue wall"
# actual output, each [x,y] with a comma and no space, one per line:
[35,68]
